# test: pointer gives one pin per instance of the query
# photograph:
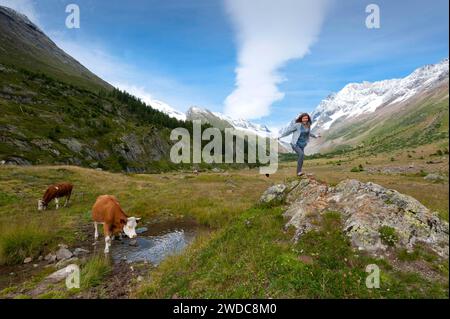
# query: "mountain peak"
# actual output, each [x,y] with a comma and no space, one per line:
[26,46]
[365,97]
[19,17]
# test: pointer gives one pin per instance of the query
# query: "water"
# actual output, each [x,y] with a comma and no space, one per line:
[158,242]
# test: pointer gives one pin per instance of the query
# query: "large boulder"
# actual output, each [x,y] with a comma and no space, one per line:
[368,210]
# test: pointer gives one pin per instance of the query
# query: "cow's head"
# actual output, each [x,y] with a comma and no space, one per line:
[41,205]
[129,227]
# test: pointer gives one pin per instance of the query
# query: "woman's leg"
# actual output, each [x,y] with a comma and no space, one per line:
[301,155]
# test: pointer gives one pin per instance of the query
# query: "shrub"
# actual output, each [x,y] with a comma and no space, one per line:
[388,235]
[358,168]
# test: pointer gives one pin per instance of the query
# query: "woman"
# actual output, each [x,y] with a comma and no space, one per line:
[302,131]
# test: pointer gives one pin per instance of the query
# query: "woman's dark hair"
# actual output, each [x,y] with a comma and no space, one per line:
[299,119]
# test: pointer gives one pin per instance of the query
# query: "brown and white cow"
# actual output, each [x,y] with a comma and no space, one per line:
[107,211]
[55,192]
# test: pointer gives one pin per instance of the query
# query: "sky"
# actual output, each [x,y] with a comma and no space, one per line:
[262,60]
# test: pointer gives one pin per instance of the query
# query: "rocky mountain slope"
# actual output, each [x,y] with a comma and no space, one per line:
[24,45]
[385,114]
[55,111]
[45,121]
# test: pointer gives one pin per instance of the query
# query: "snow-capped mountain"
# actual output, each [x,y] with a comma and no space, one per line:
[222,121]
[361,113]
[244,125]
[166,108]
[363,98]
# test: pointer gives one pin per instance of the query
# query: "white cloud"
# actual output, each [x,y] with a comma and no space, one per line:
[137,91]
[269,34]
[25,7]
[147,86]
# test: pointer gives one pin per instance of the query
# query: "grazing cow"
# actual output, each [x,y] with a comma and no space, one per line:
[55,192]
[107,211]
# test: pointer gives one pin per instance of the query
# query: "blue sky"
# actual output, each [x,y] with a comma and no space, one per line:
[185,52]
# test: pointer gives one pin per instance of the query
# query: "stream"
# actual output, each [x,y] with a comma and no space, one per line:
[155,242]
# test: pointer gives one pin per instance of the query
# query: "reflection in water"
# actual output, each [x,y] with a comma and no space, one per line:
[153,248]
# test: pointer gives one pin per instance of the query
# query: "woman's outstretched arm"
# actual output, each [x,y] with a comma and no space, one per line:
[289,130]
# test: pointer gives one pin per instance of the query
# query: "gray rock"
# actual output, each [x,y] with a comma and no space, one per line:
[60,274]
[434,177]
[72,144]
[364,208]
[63,253]
[14,160]
[275,192]
[63,263]
[50,257]
[80,251]
[27,260]
[141,230]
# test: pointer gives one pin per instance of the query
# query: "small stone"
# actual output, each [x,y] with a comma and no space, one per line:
[63,246]
[35,265]
[27,260]
[139,278]
[40,258]
[60,274]
[63,263]
[433,177]
[63,253]
[80,251]
[141,230]
[133,242]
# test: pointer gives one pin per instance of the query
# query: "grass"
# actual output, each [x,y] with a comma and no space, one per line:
[94,271]
[388,235]
[246,253]
[256,259]
[27,232]
[18,242]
